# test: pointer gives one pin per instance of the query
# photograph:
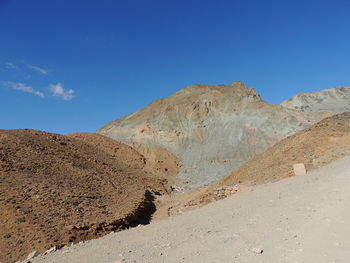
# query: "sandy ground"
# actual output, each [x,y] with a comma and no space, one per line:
[298,219]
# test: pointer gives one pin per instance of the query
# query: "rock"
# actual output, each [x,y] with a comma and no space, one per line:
[301,168]
[309,167]
[257,250]
[70,227]
[334,99]
[32,255]
[223,192]
[51,250]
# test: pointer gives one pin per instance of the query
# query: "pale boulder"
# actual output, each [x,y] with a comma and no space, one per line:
[302,168]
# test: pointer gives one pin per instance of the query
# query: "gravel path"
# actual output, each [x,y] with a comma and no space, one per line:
[299,219]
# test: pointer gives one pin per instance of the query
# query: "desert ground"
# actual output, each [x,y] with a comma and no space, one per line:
[298,219]
[57,189]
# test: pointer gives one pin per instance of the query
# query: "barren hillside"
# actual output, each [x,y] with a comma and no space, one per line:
[153,159]
[57,189]
[334,99]
[215,129]
[320,144]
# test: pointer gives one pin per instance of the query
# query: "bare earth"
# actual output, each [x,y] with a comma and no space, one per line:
[298,219]
[55,190]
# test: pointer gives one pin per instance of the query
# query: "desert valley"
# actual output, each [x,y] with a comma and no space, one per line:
[204,175]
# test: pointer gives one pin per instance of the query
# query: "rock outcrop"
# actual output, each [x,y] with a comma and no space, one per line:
[212,129]
[334,99]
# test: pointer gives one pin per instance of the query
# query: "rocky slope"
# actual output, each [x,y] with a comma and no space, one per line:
[320,144]
[335,99]
[57,189]
[213,129]
[155,160]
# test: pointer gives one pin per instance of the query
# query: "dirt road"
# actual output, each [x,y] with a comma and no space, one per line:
[299,219]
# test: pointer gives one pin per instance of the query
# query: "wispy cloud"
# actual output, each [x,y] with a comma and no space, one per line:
[23,87]
[10,65]
[58,91]
[39,69]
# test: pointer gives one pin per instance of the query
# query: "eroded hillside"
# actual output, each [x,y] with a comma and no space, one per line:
[215,129]
[320,144]
[334,99]
[55,190]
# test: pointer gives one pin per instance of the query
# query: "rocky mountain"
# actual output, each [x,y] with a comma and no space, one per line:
[215,129]
[334,99]
[319,145]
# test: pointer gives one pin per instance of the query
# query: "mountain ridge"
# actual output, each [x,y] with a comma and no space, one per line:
[212,129]
[333,99]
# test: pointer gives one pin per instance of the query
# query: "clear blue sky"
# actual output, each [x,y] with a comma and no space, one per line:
[75,65]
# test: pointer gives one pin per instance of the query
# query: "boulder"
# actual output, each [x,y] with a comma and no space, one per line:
[32,255]
[302,169]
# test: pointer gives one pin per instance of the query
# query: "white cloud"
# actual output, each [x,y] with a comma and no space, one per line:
[23,87]
[38,69]
[58,91]
[10,65]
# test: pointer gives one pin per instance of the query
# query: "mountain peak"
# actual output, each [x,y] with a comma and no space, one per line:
[238,84]
[333,99]
[236,92]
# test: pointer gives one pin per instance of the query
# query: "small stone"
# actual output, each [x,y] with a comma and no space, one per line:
[53,249]
[257,250]
[70,227]
[32,255]
[299,169]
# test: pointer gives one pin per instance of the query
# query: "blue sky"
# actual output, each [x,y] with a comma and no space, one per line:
[70,66]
